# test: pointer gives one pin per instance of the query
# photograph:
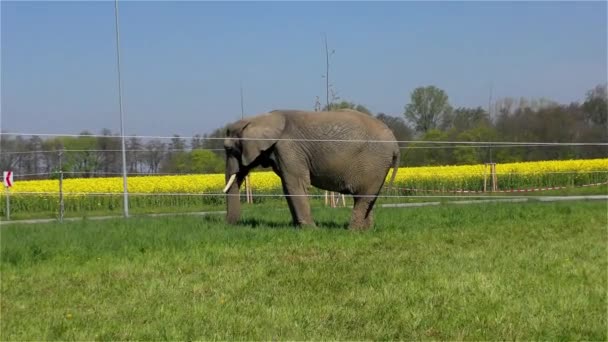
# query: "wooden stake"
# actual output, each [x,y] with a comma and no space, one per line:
[485,177]
[248,195]
[61,205]
[494,178]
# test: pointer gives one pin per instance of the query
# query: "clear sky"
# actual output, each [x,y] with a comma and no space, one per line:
[182,62]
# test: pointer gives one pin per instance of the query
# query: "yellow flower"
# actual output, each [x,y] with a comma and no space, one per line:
[510,175]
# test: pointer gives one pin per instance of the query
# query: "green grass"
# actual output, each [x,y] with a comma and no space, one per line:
[482,272]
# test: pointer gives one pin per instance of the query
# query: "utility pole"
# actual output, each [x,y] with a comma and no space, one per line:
[61,205]
[122,128]
[248,193]
[326,72]
[490,101]
[331,194]
[242,107]
[490,115]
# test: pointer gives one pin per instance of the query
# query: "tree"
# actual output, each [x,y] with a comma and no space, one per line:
[177,143]
[502,108]
[177,158]
[80,157]
[427,154]
[8,159]
[398,125]
[317,105]
[427,108]
[348,105]
[33,157]
[109,154]
[471,154]
[544,123]
[216,144]
[400,129]
[463,119]
[596,106]
[196,142]
[205,161]
[134,147]
[154,155]
[51,160]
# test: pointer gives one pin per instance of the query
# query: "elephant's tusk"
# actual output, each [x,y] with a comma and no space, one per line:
[230,181]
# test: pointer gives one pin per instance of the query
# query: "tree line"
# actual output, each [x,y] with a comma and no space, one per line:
[427,117]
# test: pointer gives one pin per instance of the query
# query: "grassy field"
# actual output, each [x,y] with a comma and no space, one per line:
[534,271]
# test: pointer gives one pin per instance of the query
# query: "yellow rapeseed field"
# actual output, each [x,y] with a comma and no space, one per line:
[510,175]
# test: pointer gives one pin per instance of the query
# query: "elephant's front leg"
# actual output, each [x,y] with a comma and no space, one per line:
[295,189]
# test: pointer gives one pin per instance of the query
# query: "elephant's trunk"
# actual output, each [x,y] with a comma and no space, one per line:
[234,178]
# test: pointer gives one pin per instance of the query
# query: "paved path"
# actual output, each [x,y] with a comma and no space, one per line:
[387,205]
[198,213]
[542,199]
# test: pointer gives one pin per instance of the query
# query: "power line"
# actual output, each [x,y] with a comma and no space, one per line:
[204,194]
[122,128]
[223,150]
[95,150]
[490,143]
[438,173]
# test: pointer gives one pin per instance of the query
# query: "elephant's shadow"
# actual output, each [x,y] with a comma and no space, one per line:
[251,222]
[274,224]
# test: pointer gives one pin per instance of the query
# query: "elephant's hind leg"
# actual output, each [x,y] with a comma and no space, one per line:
[363,215]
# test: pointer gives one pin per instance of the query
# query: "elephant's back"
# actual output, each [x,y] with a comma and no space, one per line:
[341,124]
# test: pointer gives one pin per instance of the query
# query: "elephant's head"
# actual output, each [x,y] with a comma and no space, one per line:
[249,143]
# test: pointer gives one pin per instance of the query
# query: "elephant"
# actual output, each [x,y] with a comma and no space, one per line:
[307,148]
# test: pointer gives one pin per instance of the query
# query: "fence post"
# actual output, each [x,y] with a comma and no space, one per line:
[8,204]
[248,193]
[485,177]
[494,178]
[61,210]
[60,154]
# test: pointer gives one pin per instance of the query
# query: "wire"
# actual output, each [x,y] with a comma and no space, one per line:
[145,174]
[492,143]
[222,150]
[489,195]
[140,150]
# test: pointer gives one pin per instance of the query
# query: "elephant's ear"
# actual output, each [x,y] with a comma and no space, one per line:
[261,134]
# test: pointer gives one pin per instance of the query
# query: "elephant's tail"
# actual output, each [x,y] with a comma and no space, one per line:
[396,162]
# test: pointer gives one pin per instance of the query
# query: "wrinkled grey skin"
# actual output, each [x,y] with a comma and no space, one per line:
[357,168]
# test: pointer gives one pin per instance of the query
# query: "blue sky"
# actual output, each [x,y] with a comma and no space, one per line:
[182,62]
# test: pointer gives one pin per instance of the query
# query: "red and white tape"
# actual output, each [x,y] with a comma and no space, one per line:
[508,190]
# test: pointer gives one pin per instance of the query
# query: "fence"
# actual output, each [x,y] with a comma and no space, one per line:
[196,192]
[487,179]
